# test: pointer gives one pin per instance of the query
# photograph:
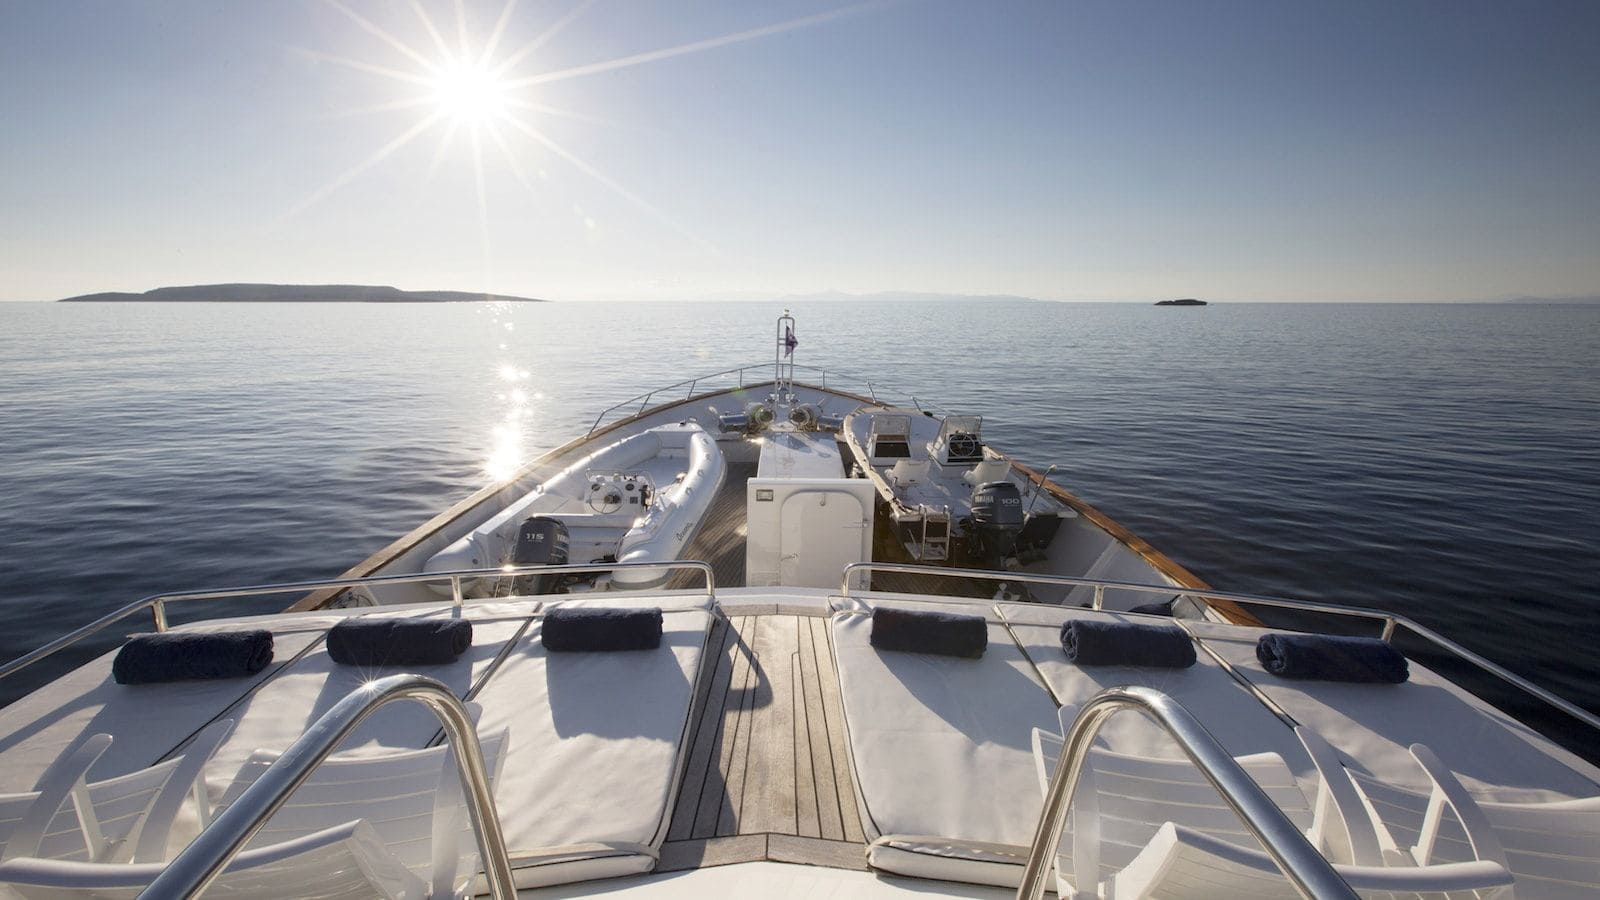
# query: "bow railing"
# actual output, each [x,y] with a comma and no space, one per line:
[752,375]
[157,603]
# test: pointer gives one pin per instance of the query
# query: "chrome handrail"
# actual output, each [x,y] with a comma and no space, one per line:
[643,400]
[1307,869]
[156,603]
[205,858]
[1391,621]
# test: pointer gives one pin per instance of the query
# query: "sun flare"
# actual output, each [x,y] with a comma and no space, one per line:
[470,93]
[476,89]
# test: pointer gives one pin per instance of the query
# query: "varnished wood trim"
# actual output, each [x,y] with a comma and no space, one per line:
[1139,546]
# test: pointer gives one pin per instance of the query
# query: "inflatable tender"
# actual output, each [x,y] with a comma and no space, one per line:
[640,499]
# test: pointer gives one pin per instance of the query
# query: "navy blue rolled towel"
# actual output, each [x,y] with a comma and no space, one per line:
[1324,657]
[191,656]
[1095,642]
[927,631]
[584,629]
[388,641]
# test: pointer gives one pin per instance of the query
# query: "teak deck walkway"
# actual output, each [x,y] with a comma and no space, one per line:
[720,538]
[768,775]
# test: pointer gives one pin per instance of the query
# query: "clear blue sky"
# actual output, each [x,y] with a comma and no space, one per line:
[1060,149]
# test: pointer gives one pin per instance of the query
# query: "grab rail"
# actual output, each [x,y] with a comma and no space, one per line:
[1391,621]
[1307,869]
[156,603]
[643,400]
[204,859]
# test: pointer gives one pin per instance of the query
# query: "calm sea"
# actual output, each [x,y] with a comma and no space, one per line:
[1442,461]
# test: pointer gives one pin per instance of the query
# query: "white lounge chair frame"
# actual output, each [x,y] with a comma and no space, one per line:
[121,819]
[430,807]
[347,860]
[1230,867]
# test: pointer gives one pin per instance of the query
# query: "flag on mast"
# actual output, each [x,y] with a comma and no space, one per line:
[789,341]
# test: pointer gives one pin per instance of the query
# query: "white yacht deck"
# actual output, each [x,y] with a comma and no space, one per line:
[769,730]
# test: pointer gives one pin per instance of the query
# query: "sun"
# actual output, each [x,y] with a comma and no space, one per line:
[475,89]
[470,92]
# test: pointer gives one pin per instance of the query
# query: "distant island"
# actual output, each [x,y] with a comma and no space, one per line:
[294,293]
[1187,301]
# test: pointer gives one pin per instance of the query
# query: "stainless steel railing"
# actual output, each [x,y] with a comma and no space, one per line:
[157,603]
[1390,622]
[209,854]
[669,393]
[1306,868]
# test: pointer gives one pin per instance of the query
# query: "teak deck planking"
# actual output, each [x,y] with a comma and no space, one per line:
[767,774]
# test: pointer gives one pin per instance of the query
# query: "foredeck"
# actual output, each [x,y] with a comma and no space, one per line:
[768,775]
[720,539]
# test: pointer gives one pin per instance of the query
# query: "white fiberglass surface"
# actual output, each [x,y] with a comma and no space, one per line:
[773,879]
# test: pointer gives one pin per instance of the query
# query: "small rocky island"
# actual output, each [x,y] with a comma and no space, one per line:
[294,293]
[1187,301]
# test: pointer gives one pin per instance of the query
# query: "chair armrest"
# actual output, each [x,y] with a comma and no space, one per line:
[1337,796]
[187,780]
[66,778]
[1448,791]
[1239,869]
[352,853]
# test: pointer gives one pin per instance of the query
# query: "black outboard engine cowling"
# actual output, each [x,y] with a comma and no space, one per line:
[541,541]
[997,520]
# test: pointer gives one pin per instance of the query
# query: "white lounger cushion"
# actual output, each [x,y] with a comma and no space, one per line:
[276,715]
[597,740]
[347,861]
[147,720]
[1205,689]
[1375,724]
[942,751]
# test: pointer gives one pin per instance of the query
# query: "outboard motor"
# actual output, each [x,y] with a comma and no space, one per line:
[541,541]
[997,520]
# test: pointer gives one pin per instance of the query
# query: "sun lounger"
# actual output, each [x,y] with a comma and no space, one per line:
[148,721]
[940,749]
[273,717]
[1494,757]
[1206,689]
[598,746]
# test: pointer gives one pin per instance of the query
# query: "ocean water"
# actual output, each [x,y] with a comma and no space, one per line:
[1442,461]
